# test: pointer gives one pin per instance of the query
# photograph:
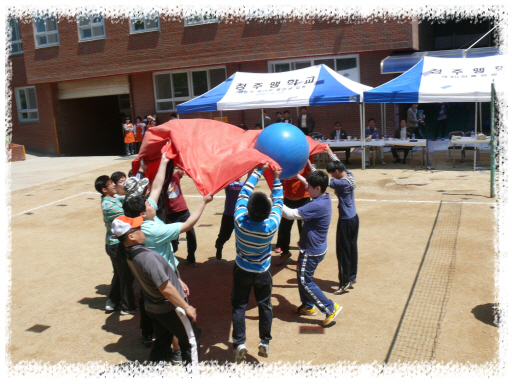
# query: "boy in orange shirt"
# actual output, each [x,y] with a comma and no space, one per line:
[129,137]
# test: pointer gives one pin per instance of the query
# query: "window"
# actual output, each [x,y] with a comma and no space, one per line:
[173,88]
[15,47]
[45,30]
[27,104]
[347,65]
[91,27]
[205,18]
[140,22]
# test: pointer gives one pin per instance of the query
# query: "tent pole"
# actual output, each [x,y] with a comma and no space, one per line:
[481,117]
[221,118]
[493,167]
[474,144]
[262,120]
[363,152]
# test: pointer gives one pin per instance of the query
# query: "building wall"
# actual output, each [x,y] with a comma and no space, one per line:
[175,46]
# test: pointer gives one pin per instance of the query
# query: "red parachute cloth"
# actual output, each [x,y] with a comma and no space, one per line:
[210,152]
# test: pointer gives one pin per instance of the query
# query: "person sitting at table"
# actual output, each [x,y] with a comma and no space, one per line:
[341,134]
[375,134]
[402,133]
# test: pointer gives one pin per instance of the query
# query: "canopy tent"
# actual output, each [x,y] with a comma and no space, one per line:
[317,85]
[435,80]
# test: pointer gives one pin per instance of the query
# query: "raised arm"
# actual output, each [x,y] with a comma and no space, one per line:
[159,180]
[247,190]
[192,220]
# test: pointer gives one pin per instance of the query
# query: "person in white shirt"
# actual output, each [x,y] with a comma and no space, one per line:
[306,123]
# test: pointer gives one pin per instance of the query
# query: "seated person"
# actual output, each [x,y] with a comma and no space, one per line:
[342,134]
[375,134]
[402,133]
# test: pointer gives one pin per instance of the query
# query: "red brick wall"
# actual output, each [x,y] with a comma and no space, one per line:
[176,46]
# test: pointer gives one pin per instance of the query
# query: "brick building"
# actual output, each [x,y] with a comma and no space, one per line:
[75,78]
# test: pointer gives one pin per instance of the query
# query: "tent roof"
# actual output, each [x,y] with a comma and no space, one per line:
[436,79]
[316,85]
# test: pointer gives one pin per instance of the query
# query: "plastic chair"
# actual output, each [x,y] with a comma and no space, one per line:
[469,148]
[453,147]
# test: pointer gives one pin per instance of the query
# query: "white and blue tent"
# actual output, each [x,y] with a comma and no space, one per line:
[436,79]
[317,85]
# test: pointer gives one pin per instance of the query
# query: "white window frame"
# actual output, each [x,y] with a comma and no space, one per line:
[46,33]
[189,84]
[18,105]
[143,16]
[90,26]
[212,20]
[271,64]
[16,28]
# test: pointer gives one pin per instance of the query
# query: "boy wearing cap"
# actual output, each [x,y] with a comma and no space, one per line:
[164,296]
[121,290]
[343,183]
[256,223]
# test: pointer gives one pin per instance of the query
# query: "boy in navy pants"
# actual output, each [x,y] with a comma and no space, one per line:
[313,245]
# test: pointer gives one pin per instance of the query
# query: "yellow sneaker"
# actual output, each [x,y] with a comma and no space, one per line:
[330,318]
[302,310]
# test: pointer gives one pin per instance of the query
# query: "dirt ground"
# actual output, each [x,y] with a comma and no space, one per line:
[61,274]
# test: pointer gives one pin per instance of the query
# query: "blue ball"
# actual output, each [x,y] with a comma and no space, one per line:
[287,145]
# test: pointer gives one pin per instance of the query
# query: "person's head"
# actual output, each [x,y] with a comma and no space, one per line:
[257,126]
[265,113]
[371,123]
[303,110]
[317,183]
[128,230]
[244,127]
[286,115]
[105,186]
[403,123]
[174,116]
[119,178]
[337,125]
[138,119]
[127,119]
[150,118]
[139,206]
[154,116]
[278,115]
[258,206]
[414,106]
[335,169]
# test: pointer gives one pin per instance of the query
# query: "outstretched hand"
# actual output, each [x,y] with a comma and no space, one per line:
[208,198]
[264,167]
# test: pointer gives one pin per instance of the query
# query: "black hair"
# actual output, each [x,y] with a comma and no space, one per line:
[301,108]
[264,111]
[258,206]
[116,176]
[128,118]
[134,206]
[318,179]
[370,119]
[257,125]
[332,166]
[337,123]
[278,113]
[138,117]
[174,115]
[124,237]
[100,183]
[286,111]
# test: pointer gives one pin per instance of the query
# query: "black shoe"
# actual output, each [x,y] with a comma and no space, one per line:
[347,161]
[192,263]
[343,288]
[404,161]
[147,341]
[397,160]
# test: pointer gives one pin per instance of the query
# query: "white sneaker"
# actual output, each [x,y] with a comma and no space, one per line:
[263,349]
[240,353]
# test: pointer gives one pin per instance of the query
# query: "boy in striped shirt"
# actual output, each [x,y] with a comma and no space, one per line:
[256,223]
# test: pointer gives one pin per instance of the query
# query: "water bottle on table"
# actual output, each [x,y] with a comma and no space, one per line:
[413,137]
[472,134]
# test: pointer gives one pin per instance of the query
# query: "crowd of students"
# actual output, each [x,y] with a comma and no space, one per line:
[134,133]
[143,224]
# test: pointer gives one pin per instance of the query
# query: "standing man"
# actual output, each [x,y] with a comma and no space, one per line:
[266,120]
[121,289]
[442,119]
[129,137]
[373,132]
[413,120]
[343,183]
[256,223]
[279,117]
[164,296]
[306,123]
[287,118]
[341,134]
